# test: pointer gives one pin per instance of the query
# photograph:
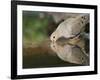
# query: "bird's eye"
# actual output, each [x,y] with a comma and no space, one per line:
[53,36]
[82,22]
[83,17]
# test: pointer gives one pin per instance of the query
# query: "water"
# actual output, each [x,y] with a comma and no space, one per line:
[55,54]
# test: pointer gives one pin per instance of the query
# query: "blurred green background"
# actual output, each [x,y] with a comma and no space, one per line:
[37,26]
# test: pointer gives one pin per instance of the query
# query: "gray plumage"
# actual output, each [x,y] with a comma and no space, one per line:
[70,27]
[70,53]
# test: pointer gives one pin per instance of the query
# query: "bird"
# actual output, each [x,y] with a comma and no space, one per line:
[58,17]
[70,27]
[70,53]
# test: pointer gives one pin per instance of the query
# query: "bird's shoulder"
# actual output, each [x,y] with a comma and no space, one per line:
[67,22]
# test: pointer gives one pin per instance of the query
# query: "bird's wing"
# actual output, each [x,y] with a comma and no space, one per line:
[76,29]
[65,28]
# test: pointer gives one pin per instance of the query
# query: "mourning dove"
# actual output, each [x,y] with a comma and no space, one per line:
[70,27]
[62,16]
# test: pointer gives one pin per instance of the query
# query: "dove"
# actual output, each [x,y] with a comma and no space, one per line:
[70,53]
[62,16]
[70,27]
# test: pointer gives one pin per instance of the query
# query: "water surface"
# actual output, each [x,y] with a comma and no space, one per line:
[52,54]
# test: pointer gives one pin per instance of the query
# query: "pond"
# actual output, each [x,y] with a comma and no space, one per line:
[55,54]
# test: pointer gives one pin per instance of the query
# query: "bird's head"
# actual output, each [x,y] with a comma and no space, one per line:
[85,18]
[54,36]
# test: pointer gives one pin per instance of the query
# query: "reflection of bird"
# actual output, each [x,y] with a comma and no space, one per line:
[69,53]
[70,27]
